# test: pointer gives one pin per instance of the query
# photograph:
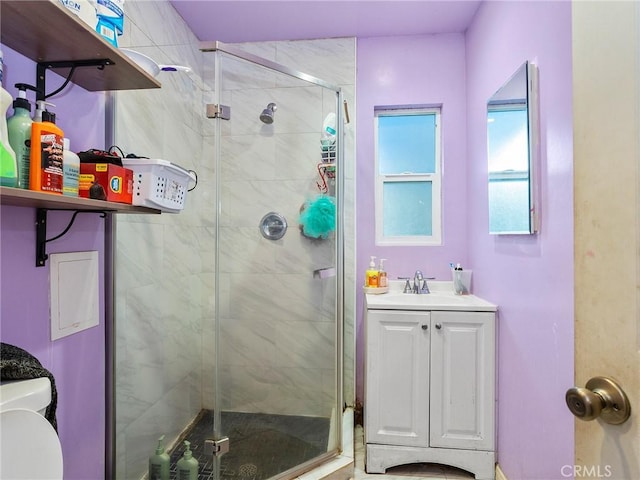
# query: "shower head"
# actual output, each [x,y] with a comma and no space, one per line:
[267,114]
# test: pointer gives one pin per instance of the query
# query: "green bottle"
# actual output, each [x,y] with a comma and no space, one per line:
[159,463]
[19,128]
[187,467]
[8,164]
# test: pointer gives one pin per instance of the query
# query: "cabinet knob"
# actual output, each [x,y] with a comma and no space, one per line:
[438,326]
[425,327]
[601,397]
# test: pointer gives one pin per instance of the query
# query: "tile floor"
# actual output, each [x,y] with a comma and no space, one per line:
[424,471]
[419,471]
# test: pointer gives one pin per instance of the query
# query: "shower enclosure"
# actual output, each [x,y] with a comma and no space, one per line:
[228,317]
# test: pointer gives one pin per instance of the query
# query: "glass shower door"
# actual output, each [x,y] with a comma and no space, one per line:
[275,392]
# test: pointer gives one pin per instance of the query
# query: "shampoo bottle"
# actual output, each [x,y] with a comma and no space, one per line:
[383,281]
[328,138]
[159,463]
[71,170]
[187,467]
[328,135]
[371,279]
[46,169]
[19,126]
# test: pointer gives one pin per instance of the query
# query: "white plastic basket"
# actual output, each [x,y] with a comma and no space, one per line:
[159,183]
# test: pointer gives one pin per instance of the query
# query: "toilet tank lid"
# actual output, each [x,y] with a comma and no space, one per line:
[33,394]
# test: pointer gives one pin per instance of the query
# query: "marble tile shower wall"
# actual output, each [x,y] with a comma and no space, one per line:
[166,263]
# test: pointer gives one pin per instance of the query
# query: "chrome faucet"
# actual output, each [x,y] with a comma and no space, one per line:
[419,283]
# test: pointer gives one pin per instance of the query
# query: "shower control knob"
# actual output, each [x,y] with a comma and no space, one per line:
[273,226]
[600,398]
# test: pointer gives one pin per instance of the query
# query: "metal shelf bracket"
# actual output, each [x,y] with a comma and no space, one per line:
[41,230]
[41,72]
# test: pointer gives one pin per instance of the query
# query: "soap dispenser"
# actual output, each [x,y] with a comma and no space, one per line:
[187,467]
[46,157]
[159,463]
[41,106]
[19,127]
[383,281]
[371,279]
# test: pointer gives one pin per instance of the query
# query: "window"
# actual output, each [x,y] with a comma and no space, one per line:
[408,176]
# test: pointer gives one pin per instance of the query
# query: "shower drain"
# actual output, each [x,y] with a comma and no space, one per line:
[247,470]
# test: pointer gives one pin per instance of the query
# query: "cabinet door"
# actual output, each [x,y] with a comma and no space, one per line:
[463,380]
[397,377]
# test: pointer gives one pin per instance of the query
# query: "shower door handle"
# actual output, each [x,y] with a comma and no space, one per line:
[324,272]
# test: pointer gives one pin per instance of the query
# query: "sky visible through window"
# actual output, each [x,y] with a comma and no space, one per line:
[406,143]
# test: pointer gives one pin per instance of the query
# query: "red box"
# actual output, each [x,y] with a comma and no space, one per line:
[104,181]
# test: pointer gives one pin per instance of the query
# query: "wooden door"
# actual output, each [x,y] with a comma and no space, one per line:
[606,81]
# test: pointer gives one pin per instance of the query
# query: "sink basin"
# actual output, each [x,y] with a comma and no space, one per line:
[440,298]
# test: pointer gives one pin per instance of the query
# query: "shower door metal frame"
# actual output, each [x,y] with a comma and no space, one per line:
[109,307]
[110,233]
[234,51]
[239,53]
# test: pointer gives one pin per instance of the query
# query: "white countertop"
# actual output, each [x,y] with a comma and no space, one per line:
[440,298]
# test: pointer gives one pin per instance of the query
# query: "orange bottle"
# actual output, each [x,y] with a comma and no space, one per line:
[45,171]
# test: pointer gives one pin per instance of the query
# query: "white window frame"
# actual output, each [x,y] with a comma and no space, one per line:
[435,178]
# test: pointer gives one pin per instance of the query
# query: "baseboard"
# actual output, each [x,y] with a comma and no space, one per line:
[500,474]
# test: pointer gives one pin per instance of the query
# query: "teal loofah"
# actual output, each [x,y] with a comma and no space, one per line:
[318,217]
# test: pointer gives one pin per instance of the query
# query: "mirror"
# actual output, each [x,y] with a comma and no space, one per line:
[512,144]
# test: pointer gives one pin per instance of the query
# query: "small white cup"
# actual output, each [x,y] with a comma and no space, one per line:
[461,281]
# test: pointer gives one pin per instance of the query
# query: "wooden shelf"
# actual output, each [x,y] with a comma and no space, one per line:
[46,31]
[18,197]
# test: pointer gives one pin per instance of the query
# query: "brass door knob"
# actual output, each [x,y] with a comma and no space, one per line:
[601,397]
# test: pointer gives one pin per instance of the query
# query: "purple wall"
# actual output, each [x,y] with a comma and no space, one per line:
[529,277]
[422,70]
[77,361]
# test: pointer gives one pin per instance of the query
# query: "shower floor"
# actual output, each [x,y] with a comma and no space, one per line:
[260,445]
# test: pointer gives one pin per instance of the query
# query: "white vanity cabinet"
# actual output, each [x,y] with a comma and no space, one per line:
[430,389]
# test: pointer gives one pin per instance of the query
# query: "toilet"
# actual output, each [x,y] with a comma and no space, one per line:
[30,447]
